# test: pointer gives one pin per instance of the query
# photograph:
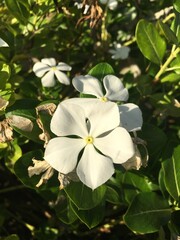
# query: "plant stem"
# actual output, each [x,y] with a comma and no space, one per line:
[165,65]
[12,189]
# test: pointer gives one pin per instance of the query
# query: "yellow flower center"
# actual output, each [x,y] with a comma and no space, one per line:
[54,68]
[89,140]
[104,99]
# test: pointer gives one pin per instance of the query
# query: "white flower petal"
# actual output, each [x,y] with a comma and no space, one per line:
[69,119]
[48,80]
[62,153]
[63,66]
[130,117]
[3,43]
[103,117]
[115,90]
[40,69]
[118,145]
[49,61]
[62,77]
[112,4]
[88,85]
[93,168]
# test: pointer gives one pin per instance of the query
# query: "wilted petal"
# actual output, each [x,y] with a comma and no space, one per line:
[63,67]
[62,77]
[22,123]
[115,90]
[135,162]
[40,69]
[130,117]
[62,153]
[93,168]
[69,119]
[103,117]
[49,61]
[88,85]
[38,168]
[41,167]
[48,80]
[3,43]
[118,145]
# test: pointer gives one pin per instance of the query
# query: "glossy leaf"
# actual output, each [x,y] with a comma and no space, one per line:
[84,197]
[150,42]
[147,213]
[168,33]
[112,195]
[171,77]
[175,64]
[171,173]
[101,70]
[176,5]
[90,217]
[134,183]
[64,210]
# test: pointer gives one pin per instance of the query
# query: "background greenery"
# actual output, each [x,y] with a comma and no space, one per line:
[141,204]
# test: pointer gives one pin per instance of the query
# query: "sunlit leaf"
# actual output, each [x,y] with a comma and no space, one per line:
[147,213]
[90,217]
[150,42]
[101,70]
[171,174]
[84,197]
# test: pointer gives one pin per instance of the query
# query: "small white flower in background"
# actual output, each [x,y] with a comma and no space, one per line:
[133,68]
[89,140]
[3,43]
[115,90]
[119,52]
[80,5]
[49,71]
[112,4]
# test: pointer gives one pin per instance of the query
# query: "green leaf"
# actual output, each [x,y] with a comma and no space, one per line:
[21,166]
[90,217]
[12,237]
[5,73]
[147,213]
[168,33]
[18,10]
[149,42]
[171,77]
[171,174]
[176,23]
[176,5]
[112,195]
[101,70]
[84,197]
[134,183]
[64,210]
[155,138]
[175,216]
[175,64]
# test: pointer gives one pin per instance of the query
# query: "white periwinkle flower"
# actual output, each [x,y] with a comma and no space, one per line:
[3,43]
[131,117]
[89,140]
[48,70]
[112,4]
[114,87]
[119,52]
